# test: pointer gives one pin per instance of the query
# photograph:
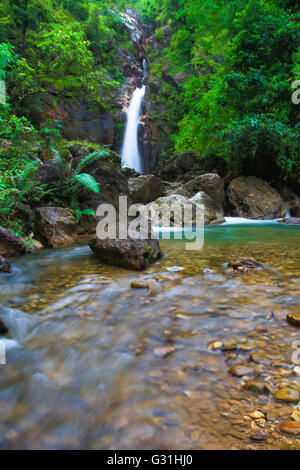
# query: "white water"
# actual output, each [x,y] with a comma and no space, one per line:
[288,212]
[130,152]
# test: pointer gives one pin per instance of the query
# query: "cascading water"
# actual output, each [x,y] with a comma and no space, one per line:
[287,212]
[130,151]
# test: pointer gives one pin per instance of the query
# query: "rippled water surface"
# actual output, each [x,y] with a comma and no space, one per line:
[83,369]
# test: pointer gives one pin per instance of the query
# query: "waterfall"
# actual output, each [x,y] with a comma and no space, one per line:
[287,212]
[130,151]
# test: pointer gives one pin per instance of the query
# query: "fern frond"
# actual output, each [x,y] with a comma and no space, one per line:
[28,174]
[87,181]
[91,157]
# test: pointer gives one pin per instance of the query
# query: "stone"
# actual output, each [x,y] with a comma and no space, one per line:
[175,203]
[5,266]
[259,358]
[139,285]
[289,221]
[293,319]
[257,415]
[287,394]
[257,386]
[3,328]
[163,351]
[145,188]
[216,345]
[229,346]
[127,253]
[254,198]
[242,264]
[259,436]
[296,370]
[211,184]
[240,370]
[290,427]
[213,213]
[295,416]
[55,226]
[10,245]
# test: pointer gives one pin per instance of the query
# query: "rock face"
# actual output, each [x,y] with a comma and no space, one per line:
[213,213]
[55,226]
[10,245]
[144,188]
[5,266]
[178,164]
[3,328]
[254,198]
[127,253]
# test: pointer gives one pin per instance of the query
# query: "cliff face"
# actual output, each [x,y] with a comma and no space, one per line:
[107,127]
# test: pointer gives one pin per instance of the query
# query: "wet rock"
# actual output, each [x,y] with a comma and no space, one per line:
[257,386]
[229,346]
[178,164]
[243,264]
[290,221]
[296,370]
[259,436]
[257,415]
[288,395]
[139,285]
[259,358]
[3,328]
[55,226]
[216,345]
[164,351]
[295,416]
[127,253]
[290,427]
[293,319]
[254,198]
[240,370]
[5,266]
[10,245]
[145,188]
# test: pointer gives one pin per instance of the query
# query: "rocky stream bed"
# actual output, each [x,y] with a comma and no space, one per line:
[186,354]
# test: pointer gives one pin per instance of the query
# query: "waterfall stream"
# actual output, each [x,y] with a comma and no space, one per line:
[130,152]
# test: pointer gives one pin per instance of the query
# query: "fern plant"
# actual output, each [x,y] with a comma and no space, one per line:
[70,181]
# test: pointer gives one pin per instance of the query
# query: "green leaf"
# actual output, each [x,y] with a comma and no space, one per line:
[87,181]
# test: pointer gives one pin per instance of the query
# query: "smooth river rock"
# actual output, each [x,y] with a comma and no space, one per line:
[127,253]
[287,394]
[290,427]
[293,319]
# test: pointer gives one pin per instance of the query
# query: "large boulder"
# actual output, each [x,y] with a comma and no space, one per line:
[211,183]
[127,253]
[176,203]
[5,266]
[171,168]
[213,213]
[290,221]
[144,188]
[254,198]
[11,245]
[55,226]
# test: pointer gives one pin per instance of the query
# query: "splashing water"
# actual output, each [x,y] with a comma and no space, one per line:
[130,152]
